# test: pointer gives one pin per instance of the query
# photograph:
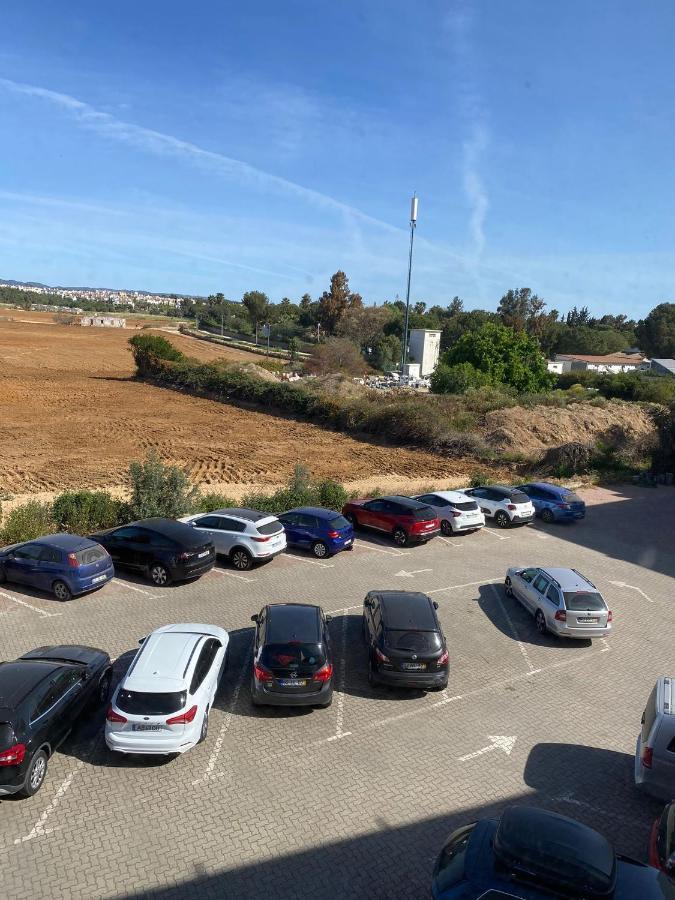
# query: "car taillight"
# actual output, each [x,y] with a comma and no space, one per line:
[333,534]
[443,660]
[112,716]
[560,616]
[511,506]
[609,616]
[13,756]
[261,540]
[260,673]
[72,561]
[380,657]
[183,718]
[325,673]
[647,757]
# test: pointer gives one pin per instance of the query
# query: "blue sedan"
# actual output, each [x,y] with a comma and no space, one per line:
[323,531]
[63,564]
[553,503]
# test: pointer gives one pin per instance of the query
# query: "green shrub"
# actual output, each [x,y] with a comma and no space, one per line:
[81,512]
[457,379]
[206,503]
[159,490]
[29,521]
[331,494]
[479,479]
[146,346]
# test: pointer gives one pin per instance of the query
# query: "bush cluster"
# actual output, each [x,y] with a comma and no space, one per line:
[636,386]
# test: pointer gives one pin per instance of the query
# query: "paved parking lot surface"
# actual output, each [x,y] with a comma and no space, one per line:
[355,800]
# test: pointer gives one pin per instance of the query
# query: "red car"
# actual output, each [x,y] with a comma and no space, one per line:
[662,841]
[408,521]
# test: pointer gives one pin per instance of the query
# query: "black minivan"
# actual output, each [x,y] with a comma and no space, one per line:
[406,644]
[292,658]
[162,549]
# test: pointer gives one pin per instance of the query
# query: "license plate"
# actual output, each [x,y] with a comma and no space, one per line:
[203,554]
[98,578]
[586,621]
[146,726]
[292,682]
[414,667]
[348,542]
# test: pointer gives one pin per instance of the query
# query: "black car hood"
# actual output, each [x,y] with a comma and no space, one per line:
[68,653]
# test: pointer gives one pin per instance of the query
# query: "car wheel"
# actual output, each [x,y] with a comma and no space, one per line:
[400,537]
[104,689]
[547,516]
[205,727]
[319,549]
[159,574]
[35,776]
[508,588]
[61,591]
[502,519]
[446,527]
[540,622]
[241,559]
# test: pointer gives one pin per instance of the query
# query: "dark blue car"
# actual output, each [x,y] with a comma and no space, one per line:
[553,503]
[63,564]
[323,531]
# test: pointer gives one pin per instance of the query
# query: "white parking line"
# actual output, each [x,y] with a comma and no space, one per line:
[39,829]
[452,543]
[310,562]
[391,552]
[233,575]
[455,587]
[41,612]
[331,612]
[499,537]
[632,587]
[514,630]
[132,587]
[341,686]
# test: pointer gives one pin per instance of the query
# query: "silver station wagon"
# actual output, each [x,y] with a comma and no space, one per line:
[562,601]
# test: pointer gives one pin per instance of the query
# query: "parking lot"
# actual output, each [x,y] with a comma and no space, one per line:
[355,800]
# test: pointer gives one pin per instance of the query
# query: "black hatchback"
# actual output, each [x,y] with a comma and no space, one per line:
[292,658]
[41,696]
[162,549]
[406,644]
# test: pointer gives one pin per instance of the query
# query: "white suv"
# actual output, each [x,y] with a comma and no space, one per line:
[162,704]
[506,505]
[455,510]
[245,536]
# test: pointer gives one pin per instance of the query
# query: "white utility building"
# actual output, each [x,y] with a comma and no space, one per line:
[424,348]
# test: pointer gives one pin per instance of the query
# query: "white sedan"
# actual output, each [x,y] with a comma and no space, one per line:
[456,511]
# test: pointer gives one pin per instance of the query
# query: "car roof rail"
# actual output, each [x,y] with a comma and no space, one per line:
[587,580]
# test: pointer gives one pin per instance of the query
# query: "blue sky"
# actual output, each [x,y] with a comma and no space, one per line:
[221,146]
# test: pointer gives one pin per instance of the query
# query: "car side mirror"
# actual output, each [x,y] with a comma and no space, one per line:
[369,603]
[141,640]
[255,618]
[670,863]
[85,676]
[329,618]
[435,604]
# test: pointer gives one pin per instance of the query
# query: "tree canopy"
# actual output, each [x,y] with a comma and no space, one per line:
[656,333]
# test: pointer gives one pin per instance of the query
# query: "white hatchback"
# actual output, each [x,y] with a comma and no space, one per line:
[245,536]
[162,704]
[506,505]
[455,510]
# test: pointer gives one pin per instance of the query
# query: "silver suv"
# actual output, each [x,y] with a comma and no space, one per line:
[245,536]
[655,751]
[562,601]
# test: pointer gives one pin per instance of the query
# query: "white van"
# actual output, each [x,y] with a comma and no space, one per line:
[655,752]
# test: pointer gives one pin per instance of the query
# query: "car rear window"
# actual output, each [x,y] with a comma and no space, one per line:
[338,523]
[583,600]
[519,497]
[465,507]
[270,527]
[420,515]
[283,655]
[417,641]
[90,555]
[7,738]
[570,497]
[142,703]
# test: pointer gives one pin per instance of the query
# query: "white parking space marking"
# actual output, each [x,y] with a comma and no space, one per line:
[233,575]
[504,742]
[514,630]
[404,574]
[605,645]
[340,691]
[332,612]
[631,587]
[40,612]
[40,829]
[132,587]
[448,541]
[310,562]
[389,552]
[542,537]
[499,537]
[455,587]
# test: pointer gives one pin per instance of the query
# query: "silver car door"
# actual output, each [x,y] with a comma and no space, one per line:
[522,585]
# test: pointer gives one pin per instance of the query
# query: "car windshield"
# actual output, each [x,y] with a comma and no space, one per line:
[90,555]
[141,703]
[417,641]
[292,654]
[338,523]
[583,600]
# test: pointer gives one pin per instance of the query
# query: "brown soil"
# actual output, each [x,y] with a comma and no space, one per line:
[71,416]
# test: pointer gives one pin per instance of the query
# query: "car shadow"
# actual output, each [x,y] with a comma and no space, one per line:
[507,614]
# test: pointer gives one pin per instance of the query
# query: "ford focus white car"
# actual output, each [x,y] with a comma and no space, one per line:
[162,704]
[456,511]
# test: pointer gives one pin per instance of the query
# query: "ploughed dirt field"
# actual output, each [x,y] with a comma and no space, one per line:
[72,416]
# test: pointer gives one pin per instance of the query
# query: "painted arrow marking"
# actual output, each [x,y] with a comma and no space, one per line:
[404,574]
[503,742]
[632,588]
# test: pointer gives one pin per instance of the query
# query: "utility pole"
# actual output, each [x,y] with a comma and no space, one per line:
[222,316]
[413,224]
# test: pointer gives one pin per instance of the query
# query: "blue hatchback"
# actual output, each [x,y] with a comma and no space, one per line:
[64,564]
[553,503]
[323,531]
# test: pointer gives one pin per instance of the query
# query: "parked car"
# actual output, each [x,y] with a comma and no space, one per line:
[655,751]
[66,565]
[662,841]
[406,644]
[553,503]
[244,536]
[292,656]
[562,601]
[42,694]
[455,511]
[162,549]
[322,531]
[534,854]
[162,704]
[506,505]
[407,520]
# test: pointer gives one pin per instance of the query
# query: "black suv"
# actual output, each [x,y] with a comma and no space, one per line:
[406,644]
[292,658]
[163,549]
[41,696]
